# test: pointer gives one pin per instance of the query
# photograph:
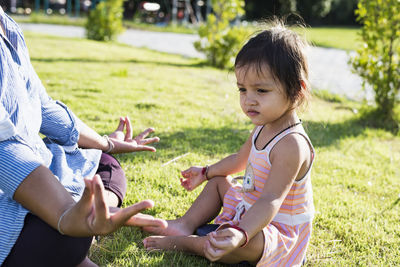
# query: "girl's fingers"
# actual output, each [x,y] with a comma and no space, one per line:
[128,135]
[212,253]
[186,173]
[222,242]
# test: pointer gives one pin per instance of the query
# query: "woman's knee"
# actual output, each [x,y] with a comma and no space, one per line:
[113,176]
[41,245]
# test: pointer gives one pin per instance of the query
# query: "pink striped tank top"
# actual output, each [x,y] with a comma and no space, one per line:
[297,208]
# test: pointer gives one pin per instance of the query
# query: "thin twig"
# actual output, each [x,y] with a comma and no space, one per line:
[175,159]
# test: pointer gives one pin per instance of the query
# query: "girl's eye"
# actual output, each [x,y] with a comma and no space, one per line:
[262,91]
[242,90]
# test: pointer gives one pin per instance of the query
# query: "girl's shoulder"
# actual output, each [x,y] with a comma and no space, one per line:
[295,151]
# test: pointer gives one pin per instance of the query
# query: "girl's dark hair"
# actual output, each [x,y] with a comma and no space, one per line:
[283,51]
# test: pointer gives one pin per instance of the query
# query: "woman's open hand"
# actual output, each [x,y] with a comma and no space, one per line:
[123,141]
[92,216]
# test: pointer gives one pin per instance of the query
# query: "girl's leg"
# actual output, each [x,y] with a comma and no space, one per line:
[195,245]
[205,208]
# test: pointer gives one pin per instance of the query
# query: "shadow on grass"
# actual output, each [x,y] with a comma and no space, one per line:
[207,141]
[197,64]
[224,140]
[394,204]
[326,133]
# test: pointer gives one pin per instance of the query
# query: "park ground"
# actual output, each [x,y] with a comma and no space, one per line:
[195,111]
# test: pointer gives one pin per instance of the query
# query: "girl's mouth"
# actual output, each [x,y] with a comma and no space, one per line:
[252,113]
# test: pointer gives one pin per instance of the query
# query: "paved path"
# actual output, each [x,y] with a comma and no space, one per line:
[328,67]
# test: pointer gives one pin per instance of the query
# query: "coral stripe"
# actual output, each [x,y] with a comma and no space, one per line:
[290,255]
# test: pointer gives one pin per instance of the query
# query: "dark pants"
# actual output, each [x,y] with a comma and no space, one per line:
[41,245]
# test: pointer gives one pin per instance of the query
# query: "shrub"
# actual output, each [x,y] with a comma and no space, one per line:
[104,22]
[218,39]
[377,61]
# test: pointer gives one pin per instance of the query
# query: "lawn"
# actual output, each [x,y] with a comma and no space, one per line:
[335,37]
[195,112]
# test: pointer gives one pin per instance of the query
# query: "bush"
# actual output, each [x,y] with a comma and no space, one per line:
[218,39]
[105,21]
[377,61]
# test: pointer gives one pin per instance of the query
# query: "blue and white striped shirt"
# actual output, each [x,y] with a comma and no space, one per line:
[25,111]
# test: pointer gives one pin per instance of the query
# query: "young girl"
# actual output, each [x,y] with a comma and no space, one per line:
[267,220]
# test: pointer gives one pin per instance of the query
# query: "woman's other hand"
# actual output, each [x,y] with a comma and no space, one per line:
[123,141]
[92,216]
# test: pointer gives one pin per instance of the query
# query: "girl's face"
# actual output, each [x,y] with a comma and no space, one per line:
[262,98]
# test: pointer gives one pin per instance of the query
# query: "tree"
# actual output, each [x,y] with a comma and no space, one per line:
[219,40]
[104,22]
[377,60]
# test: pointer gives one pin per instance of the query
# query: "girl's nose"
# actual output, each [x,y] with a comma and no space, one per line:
[250,100]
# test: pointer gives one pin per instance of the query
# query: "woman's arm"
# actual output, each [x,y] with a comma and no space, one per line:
[44,196]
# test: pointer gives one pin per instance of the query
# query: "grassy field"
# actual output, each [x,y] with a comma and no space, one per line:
[195,112]
[336,37]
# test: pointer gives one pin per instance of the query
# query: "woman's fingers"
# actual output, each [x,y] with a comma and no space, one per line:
[87,196]
[142,220]
[100,206]
[128,135]
[145,133]
[150,140]
[123,215]
[145,148]
[121,124]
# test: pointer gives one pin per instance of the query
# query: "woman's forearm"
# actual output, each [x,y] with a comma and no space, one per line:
[43,195]
[88,138]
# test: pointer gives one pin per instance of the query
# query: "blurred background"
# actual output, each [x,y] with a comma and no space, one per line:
[193,12]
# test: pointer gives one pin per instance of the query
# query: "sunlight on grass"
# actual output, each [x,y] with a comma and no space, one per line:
[195,110]
[334,37]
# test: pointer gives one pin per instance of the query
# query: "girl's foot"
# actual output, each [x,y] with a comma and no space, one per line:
[159,242]
[174,228]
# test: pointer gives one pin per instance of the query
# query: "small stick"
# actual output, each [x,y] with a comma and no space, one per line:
[175,159]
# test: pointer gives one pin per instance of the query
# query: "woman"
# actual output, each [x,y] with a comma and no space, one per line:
[48,211]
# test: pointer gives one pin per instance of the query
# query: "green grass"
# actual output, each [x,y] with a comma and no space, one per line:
[80,21]
[335,37]
[195,110]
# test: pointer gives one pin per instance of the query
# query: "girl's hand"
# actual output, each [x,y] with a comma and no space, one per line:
[123,142]
[92,216]
[192,178]
[222,242]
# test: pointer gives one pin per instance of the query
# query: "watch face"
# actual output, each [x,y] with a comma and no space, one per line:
[248,180]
